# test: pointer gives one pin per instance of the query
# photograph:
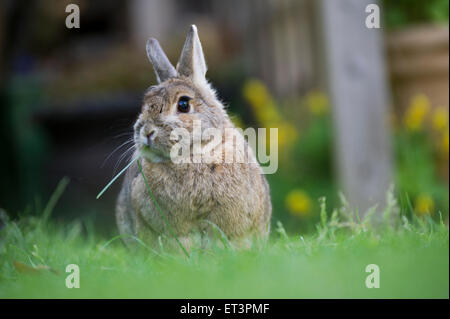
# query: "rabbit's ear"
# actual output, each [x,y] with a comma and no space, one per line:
[192,61]
[161,64]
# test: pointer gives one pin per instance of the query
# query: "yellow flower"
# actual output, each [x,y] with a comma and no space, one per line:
[440,118]
[317,102]
[416,113]
[266,113]
[262,103]
[424,204]
[298,203]
[287,134]
[256,93]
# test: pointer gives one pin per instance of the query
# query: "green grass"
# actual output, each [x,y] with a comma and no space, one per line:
[413,257]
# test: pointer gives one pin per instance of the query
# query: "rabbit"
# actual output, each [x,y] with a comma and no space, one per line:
[197,199]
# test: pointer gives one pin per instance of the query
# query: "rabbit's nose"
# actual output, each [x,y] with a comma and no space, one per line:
[150,137]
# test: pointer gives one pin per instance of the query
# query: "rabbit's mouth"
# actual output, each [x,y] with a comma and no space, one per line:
[153,155]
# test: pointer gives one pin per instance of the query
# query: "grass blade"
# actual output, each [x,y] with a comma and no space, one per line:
[116,177]
[54,198]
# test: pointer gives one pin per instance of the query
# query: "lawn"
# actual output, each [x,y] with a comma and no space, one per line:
[412,255]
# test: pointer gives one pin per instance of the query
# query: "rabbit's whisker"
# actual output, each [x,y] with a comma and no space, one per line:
[123,156]
[115,150]
[123,134]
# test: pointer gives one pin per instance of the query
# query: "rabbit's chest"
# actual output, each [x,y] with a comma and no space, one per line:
[184,201]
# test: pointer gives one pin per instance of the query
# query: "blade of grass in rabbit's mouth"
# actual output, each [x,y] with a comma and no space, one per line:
[146,152]
[116,177]
[153,154]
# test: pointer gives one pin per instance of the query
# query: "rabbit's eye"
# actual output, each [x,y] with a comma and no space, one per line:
[183,104]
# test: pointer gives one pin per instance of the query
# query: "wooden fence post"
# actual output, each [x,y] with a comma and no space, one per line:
[356,80]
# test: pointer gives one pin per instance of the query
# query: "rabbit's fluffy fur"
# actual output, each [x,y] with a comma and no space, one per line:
[233,196]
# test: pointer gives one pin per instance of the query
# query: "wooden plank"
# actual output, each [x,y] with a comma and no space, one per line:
[356,80]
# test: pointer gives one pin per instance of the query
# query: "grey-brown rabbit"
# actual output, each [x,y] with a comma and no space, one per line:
[193,196]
